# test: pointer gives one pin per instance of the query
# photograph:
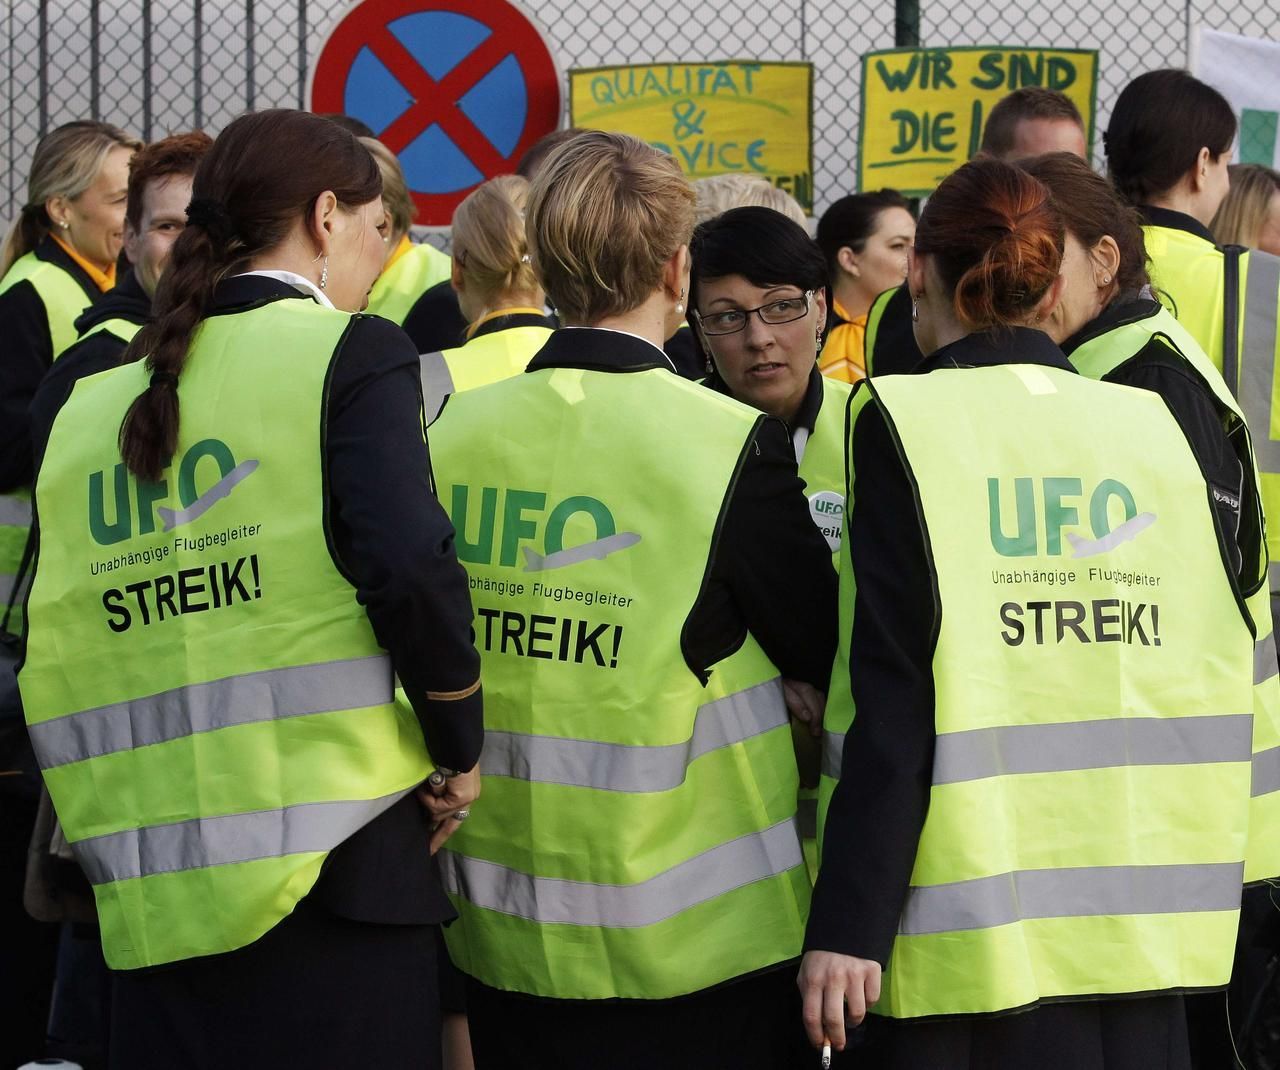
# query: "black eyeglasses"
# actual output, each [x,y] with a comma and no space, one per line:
[734,320]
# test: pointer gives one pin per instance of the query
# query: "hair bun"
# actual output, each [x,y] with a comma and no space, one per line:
[212,216]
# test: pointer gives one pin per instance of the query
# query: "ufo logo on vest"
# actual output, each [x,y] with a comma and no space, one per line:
[190,506]
[506,519]
[1057,506]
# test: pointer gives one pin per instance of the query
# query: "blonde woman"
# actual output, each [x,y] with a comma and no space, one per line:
[1250,216]
[718,193]
[632,891]
[412,290]
[59,256]
[497,293]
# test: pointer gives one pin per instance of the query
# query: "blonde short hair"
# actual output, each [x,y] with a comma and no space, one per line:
[489,239]
[1240,217]
[66,163]
[606,212]
[719,193]
[395,193]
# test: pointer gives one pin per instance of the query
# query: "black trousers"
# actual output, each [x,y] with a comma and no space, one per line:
[1118,1034]
[749,1024]
[316,991]
[30,947]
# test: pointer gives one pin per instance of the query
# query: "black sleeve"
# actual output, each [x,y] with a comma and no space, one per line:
[26,351]
[896,351]
[772,571]
[87,357]
[1201,417]
[436,322]
[879,806]
[394,539]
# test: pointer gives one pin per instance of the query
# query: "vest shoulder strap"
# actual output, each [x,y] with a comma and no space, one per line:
[1231,317]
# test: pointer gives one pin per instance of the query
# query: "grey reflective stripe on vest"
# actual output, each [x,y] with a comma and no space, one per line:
[270,695]
[437,383]
[1265,664]
[1266,772]
[624,767]
[1258,357]
[1071,893]
[15,512]
[223,840]
[832,754]
[550,901]
[1050,748]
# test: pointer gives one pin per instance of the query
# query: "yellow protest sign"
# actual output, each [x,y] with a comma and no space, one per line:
[923,110]
[713,118]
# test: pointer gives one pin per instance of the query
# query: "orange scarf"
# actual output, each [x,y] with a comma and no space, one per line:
[103,280]
[842,357]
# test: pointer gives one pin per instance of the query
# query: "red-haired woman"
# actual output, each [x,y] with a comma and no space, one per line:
[1037,808]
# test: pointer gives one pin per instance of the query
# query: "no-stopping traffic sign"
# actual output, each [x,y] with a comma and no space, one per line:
[457,89]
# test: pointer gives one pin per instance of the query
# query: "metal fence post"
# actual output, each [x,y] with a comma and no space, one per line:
[906,23]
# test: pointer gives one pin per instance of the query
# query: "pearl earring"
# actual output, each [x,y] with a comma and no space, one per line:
[64,224]
[1106,279]
[324,273]
[680,303]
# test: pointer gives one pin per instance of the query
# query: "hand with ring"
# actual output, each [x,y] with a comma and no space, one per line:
[449,803]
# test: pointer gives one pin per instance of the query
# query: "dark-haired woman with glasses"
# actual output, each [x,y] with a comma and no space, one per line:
[758,299]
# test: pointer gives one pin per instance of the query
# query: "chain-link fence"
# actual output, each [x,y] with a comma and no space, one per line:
[156,68]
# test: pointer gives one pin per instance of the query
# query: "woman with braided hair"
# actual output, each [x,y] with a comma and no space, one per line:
[217,626]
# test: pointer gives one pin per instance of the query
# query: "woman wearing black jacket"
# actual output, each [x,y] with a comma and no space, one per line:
[983,277]
[283,236]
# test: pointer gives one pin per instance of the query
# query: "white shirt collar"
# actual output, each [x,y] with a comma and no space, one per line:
[298,282]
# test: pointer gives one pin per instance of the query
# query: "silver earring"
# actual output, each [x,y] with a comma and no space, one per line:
[1106,279]
[915,310]
[324,273]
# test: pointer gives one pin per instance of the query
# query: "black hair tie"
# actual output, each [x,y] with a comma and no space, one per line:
[212,216]
[164,379]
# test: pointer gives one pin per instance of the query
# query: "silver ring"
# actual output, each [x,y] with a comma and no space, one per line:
[461,815]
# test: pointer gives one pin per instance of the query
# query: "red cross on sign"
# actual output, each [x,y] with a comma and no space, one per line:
[457,89]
